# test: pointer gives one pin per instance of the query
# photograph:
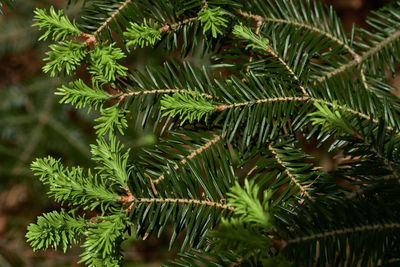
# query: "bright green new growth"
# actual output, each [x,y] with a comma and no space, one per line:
[248,206]
[103,63]
[143,34]
[58,26]
[56,230]
[68,55]
[114,163]
[104,233]
[65,56]
[111,118]
[73,185]
[247,233]
[331,118]
[79,94]
[102,236]
[103,240]
[245,33]
[244,239]
[212,20]
[189,106]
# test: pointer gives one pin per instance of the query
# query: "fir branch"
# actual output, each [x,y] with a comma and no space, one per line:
[111,17]
[220,108]
[331,120]
[103,63]
[189,106]
[73,186]
[364,57]
[272,52]
[244,240]
[177,200]
[192,155]
[111,119]
[103,239]
[142,35]
[160,91]
[313,28]
[257,32]
[183,22]
[247,205]
[65,56]
[114,162]
[212,20]
[255,40]
[289,174]
[345,231]
[262,44]
[56,229]
[81,95]
[254,109]
[58,26]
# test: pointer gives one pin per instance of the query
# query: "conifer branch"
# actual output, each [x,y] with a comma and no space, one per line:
[58,26]
[345,231]
[336,119]
[289,174]
[168,27]
[122,96]
[364,79]
[185,201]
[189,106]
[262,43]
[192,155]
[272,52]
[302,25]
[388,163]
[142,34]
[132,200]
[111,17]
[185,21]
[357,61]
[356,57]
[253,112]
[220,108]
[260,101]
[212,20]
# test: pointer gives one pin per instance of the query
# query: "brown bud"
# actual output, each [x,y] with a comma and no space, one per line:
[90,40]
[220,108]
[165,28]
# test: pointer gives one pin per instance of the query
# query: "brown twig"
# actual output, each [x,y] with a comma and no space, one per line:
[122,96]
[131,200]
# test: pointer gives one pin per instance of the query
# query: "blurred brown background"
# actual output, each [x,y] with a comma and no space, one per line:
[33,124]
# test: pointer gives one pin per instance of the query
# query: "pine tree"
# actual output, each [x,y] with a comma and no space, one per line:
[229,171]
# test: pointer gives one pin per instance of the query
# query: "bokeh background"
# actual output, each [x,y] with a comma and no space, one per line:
[33,124]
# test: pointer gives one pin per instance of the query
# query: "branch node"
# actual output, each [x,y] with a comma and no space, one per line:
[165,29]
[90,39]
